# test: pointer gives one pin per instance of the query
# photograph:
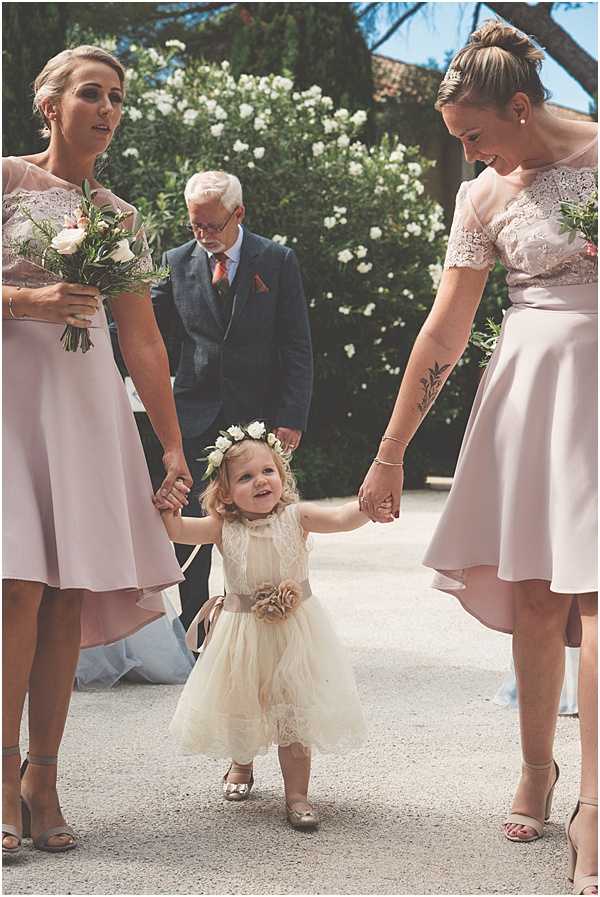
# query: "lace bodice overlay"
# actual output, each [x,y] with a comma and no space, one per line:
[26,187]
[266,550]
[516,219]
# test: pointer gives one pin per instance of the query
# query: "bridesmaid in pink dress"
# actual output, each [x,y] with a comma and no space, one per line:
[516,542]
[85,553]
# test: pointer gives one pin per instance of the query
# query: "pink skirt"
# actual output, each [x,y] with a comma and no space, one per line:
[77,498]
[523,501]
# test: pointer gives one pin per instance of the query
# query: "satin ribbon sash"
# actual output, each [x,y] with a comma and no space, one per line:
[235,603]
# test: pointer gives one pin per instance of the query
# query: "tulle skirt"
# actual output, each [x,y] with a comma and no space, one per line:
[259,683]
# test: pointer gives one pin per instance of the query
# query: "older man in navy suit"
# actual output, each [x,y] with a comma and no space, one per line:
[234,319]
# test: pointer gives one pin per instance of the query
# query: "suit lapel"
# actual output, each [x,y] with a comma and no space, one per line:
[202,274]
[244,275]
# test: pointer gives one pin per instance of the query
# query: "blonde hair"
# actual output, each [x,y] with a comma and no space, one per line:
[215,185]
[496,63]
[213,497]
[51,81]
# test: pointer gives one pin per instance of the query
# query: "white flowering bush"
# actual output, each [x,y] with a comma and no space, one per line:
[369,239]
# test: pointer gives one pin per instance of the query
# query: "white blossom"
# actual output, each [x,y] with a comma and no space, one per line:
[121,252]
[343,141]
[369,309]
[355,168]
[256,429]
[349,350]
[413,228]
[67,241]
[342,114]
[340,210]
[279,238]
[240,147]
[251,164]
[435,272]
[344,310]
[329,125]
[222,443]
[258,152]
[359,117]
[225,65]
[375,233]
[259,123]
[134,114]
[414,168]
[177,44]
[190,116]
[246,110]
[344,256]
[390,275]
[220,113]
[215,458]
[318,148]
[364,267]
[236,432]
[132,151]
[361,252]
[156,57]
[217,130]
[329,222]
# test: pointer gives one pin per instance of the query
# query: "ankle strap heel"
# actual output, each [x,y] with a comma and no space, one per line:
[521,819]
[8,830]
[11,751]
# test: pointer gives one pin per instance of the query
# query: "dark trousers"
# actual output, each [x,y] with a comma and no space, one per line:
[194,591]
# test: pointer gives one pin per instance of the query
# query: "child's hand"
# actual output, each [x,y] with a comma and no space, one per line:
[385,509]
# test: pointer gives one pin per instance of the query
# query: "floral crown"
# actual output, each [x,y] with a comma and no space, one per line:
[234,435]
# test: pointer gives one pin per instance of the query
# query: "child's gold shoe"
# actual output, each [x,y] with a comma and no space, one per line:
[302,819]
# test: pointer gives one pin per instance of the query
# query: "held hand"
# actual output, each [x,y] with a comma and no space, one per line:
[381,486]
[60,303]
[290,439]
[176,485]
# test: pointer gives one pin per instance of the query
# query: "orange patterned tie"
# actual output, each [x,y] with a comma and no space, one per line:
[220,277]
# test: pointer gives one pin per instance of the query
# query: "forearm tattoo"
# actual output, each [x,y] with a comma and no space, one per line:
[431,384]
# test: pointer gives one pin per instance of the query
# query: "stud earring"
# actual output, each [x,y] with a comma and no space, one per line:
[522,121]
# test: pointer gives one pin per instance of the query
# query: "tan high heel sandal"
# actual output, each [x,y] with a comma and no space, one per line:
[41,842]
[536,824]
[582,881]
[11,831]
[237,790]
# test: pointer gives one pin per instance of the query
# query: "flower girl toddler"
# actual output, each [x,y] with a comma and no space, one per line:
[272,670]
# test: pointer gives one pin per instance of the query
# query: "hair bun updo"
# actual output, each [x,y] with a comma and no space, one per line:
[497,62]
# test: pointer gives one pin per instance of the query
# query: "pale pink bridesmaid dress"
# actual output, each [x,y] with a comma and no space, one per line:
[523,501]
[77,509]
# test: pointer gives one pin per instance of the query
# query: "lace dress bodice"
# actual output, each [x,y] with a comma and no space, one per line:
[28,188]
[266,550]
[516,219]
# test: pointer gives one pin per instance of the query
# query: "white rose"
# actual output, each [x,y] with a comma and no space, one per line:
[344,256]
[375,233]
[414,168]
[435,272]
[359,117]
[318,148]
[68,241]
[132,151]
[369,309]
[239,146]
[215,458]
[246,110]
[179,45]
[279,238]
[364,267]
[256,429]
[190,116]
[340,210]
[349,350]
[413,228]
[329,125]
[222,444]
[361,252]
[121,252]
[217,130]
[236,432]
[355,168]
[329,222]
[342,114]
[134,114]
[220,113]
[259,152]
[343,141]
[259,123]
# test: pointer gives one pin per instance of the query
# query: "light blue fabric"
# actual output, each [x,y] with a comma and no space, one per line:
[157,653]
[507,693]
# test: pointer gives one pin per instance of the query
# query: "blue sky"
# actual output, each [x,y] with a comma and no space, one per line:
[445,26]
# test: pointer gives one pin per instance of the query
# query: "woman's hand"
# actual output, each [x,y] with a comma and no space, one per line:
[380,486]
[60,303]
[175,487]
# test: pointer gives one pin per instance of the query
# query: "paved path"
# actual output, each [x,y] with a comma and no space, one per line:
[417,811]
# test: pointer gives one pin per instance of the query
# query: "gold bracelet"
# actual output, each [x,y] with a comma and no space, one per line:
[389,463]
[395,439]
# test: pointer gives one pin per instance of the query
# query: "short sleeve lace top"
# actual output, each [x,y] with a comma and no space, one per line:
[516,219]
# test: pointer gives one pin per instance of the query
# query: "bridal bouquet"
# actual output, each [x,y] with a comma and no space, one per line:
[93,248]
[581,219]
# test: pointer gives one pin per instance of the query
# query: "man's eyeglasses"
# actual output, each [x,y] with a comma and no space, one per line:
[195,226]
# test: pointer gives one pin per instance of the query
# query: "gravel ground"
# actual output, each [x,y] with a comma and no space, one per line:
[416,811]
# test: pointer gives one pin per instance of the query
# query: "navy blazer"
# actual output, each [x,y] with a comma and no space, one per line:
[259,365]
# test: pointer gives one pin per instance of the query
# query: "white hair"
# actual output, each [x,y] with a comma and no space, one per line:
[214,185]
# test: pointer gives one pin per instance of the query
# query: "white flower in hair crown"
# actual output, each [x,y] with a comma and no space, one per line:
[256,431]
[453,75]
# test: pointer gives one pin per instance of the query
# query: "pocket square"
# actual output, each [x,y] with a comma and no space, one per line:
[259,284]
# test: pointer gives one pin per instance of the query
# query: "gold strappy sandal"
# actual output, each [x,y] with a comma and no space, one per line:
[237,790]
[302,819]
[41,842]
[522,819]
